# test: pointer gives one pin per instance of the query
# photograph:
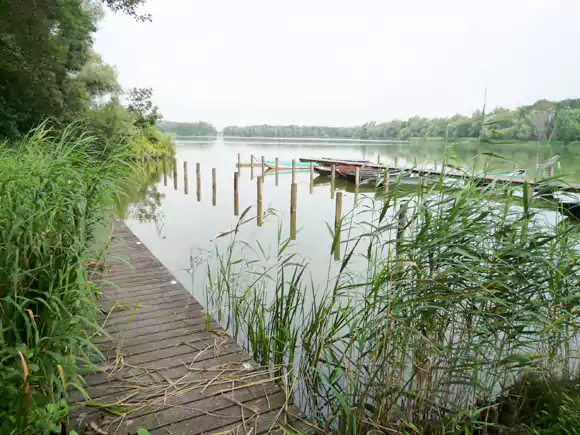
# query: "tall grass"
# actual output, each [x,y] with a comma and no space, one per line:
[441,315]
[55,192]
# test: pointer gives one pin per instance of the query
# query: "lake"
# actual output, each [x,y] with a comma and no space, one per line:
[178,227]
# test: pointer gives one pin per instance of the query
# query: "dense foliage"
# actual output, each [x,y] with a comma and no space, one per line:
[49,71]
[199,128]
[538,121]
[55,192]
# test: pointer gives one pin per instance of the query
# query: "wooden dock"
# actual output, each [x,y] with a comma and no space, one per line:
[166,370]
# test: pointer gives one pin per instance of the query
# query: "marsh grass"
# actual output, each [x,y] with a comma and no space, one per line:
[55,192]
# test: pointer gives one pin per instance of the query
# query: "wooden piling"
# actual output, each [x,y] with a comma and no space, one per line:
[396,162]
[311,177]
[236,200]
[378,158]
[387,181]
[198,180]
[293,171]
[357,177]
[293,195]
[332,181]
[424,184]
[239,161]
[259,200]
[174,174]
[337,225]
[277,165]
[213,187]
[185,179]
[251,166]
[263,169]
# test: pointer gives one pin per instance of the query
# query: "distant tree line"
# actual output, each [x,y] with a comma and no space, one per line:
[539,121]
[188,128]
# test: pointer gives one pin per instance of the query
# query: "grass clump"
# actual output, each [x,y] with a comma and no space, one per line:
[443,302]
[55,192]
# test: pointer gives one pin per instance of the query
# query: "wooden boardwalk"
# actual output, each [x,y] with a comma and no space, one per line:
[164,370]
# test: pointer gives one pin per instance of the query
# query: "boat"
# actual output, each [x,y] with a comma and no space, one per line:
[271,164]
[349,173]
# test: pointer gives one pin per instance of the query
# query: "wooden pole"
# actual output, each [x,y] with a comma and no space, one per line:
[337,225]
[251,166]
[198,180]
[378,158]
[174,174]
[239,161]
[277,165]
[164,171]
[263,169]
[396,162]
[259,198]
[332,181]
[213,187]
[185,179]
[435,165]
[293,194]
[424,184]
[311,177]
[236,201]
[357,177]
[387,181]
[293,171]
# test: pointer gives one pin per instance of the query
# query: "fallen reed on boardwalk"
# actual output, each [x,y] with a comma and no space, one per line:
[429,322]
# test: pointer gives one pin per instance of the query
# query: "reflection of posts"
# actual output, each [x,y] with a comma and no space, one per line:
[263,169]
[293,194]
[198,180]
[293,171]
[259,200]
[239,161]
[185,179]
[277,167]
[213,187]
[332,180]
[337,225]
[311,177]
[251,166]
[236,203]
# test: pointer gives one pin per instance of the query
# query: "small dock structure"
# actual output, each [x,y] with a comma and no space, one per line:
[169,367]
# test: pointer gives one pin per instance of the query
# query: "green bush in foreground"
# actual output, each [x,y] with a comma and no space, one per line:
[54,192]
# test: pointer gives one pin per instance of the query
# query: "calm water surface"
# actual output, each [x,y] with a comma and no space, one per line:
[177,226]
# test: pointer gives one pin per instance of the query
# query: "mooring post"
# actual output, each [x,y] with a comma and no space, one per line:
[293,171]
[263,169]
[198,180]
[424,184]
[378,158]
[396,160]
[239,161]
[185,179]
[293,194]
[277,165]
[251,166]
[236,203]
[259,199]
[357,177]
[311,177]
[387,180]
[435,165]
[332,181]
[213,187]
[337,225]
[174,174]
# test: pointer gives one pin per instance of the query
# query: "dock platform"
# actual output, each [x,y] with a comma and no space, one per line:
[169,368]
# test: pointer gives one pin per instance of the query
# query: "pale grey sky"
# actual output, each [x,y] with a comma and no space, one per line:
[336,62]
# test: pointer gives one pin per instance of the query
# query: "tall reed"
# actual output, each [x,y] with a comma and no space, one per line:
[55,191]
[426,322]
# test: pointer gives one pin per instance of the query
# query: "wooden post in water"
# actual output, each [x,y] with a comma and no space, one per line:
[213,187]
[263,169]
[415,163]
[357,177]
[164,171]
[185,179]
[387,181]
[293,171]
[236,201]
[174,174]
[378,158]
[435,165]
[332,181]
[259,200]
[198,180]
[277,165]
[251,166]
[396,162]
[424,184]
[311,177]
[239,161]
[293,194]
[337,225]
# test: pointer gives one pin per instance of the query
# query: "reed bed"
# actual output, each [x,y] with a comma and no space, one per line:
[453,310]
[55,193]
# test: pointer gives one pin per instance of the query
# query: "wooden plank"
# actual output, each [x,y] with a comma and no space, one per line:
[161,360]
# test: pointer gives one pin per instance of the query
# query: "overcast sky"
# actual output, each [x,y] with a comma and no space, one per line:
[335,62]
